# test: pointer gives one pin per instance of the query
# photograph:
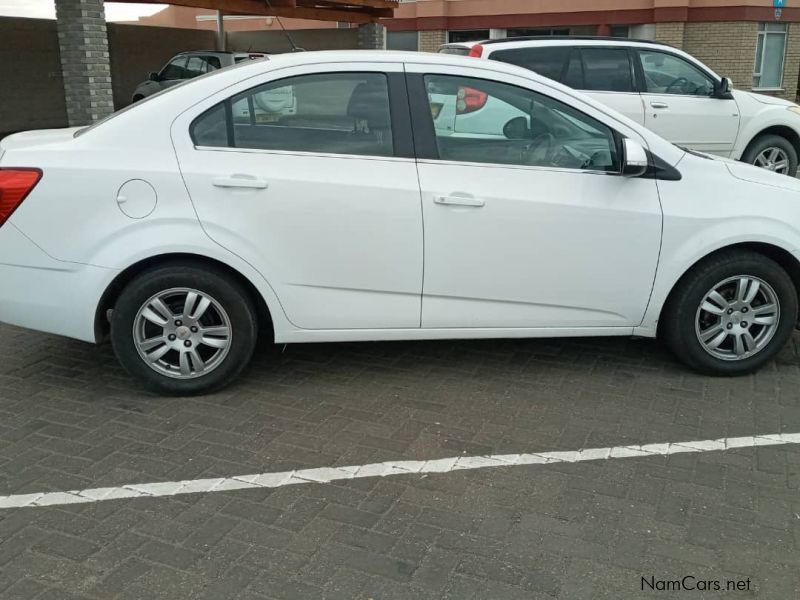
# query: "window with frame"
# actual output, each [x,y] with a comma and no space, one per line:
[607,70]
[666,73]
[327,113]
[176,69]
[482,121]
[770,53]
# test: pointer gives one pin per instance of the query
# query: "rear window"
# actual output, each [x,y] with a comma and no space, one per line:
[457,50]
[548,62]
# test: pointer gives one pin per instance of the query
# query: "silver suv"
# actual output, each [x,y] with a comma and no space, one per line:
[660,87]
[188,65]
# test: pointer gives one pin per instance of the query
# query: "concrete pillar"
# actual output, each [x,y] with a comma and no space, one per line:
[372,36]
[85,65]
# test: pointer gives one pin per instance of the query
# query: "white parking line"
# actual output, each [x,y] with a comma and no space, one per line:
[384,469]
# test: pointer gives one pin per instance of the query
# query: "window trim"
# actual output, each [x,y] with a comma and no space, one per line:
[399,116]
[761,38]
[424,130]
[642,81]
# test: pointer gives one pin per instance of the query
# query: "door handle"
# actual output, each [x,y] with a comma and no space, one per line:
[458,201]
[659,105]
[240,181]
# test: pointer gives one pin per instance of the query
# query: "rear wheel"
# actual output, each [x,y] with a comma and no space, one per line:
[774,153]
[184,330]
[731,314]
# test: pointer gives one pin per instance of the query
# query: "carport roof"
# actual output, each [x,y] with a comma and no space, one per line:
[352,11]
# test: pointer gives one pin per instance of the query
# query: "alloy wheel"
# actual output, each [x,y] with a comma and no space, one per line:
[737,318]
[773,159]
[182,333]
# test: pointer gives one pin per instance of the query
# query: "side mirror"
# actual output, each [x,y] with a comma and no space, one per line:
[724,89]
[634,159]
[153,76]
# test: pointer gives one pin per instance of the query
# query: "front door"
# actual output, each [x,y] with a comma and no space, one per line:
[681,104]
[321,194]
[531,227]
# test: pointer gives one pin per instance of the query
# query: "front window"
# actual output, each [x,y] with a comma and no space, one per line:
[336,113]
[176,69]
[669,74]
[482,121]
[770,51]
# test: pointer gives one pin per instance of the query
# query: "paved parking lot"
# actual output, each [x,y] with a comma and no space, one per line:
[70,419]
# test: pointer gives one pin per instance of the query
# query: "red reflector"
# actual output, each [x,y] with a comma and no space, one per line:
[477,51]
[15,185]
[469,100]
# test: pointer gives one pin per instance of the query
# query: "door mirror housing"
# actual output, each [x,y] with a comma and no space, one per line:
[634,158]
[724,89]
[153,76]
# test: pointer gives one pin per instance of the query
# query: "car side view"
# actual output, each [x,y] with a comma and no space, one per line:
[184,227]
[663,88]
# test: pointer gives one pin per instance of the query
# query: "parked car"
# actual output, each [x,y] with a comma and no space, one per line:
[662,88]
[184,233]
[188,65]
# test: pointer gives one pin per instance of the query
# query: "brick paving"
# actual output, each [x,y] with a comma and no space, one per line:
[70,418]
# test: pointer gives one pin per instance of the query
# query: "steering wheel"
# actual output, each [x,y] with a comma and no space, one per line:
[539,141]
[680,81]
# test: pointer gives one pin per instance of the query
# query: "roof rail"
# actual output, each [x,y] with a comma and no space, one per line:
[531,38]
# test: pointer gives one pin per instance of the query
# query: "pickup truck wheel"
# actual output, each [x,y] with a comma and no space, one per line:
[774,153]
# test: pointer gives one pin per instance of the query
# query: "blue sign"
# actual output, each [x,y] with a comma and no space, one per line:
[779,3]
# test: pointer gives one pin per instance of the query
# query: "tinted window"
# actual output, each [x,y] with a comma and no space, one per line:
[489,122]
[175,69]
[669,74]
[342,113]
[607,69]
[548,62]
[213,63]
[574,76]
[195,67]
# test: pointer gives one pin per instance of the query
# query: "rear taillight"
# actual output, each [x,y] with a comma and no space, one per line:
[476,52]
[15,185]
[469,100]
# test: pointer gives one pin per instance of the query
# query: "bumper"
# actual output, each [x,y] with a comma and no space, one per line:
[41,293]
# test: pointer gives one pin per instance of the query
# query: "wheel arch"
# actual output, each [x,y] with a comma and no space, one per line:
[179,259]
[784,131]
[781,256]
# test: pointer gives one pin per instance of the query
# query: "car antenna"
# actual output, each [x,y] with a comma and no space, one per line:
[295,47]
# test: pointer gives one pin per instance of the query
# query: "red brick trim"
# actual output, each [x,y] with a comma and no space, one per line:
[607,17]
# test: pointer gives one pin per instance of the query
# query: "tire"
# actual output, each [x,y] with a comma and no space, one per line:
[178,353]
[770,143]
[685,318]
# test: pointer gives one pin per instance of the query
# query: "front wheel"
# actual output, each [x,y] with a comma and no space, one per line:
[731,314]
[773,153]
[184,330]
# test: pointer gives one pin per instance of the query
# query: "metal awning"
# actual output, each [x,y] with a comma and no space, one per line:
[350,11]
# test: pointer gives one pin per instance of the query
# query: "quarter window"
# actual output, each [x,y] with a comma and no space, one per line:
[339,113]
[770,51]
[669,74]
[482,121]
[607,69]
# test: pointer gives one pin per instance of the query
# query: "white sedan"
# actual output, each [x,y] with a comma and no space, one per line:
[185,227]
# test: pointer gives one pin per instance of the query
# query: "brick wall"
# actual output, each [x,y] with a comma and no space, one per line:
[728,47]
[671,33]
[429,41]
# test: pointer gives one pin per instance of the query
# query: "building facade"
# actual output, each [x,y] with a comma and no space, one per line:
[753,42]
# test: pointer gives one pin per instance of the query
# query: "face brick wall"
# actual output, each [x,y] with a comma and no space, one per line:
[429,41]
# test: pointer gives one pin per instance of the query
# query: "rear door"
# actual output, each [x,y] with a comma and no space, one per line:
[681,104]
[608,76]
[323,200]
